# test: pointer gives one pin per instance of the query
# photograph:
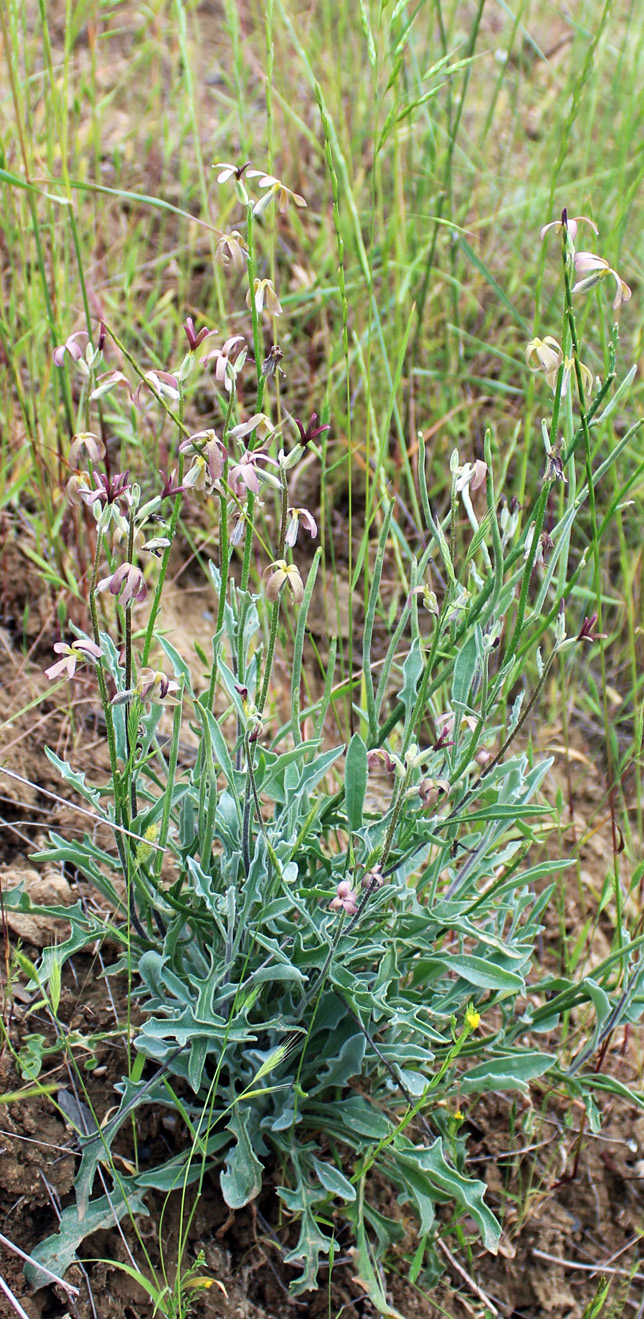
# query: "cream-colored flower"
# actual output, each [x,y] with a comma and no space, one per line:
[545,355]
[259,423]
[91,444]
[297,517]
[273,188]
[231,252]
[595,268]
[281,574]
[264,295]
[78,485]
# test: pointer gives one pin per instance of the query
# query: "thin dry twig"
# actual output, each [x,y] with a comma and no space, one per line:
[474,1287]
[4,1286]
[610,1259]
[62,801]
[66,1286]
[587,1268]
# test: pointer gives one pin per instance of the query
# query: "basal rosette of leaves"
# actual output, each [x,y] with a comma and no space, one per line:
[373,1016]
[322,983]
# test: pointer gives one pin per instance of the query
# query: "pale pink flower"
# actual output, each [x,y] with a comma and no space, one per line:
[70,346]
[295,517]
[571,225]
[207,446]
[346,898]
[595,268]
[79,652]
[281,574]
[243,475]
[246,473]
[227,360]
[107,381]
[258,422]
[127,583]
[373,879]
[163,382]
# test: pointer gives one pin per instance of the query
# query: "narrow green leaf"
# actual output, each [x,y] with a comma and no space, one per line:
[355,781]
[510,1073]
[334,1181]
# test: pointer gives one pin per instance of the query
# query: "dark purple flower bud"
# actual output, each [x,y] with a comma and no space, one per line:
[109,489]
[443,740]
[169,488]
[194,338]
[311,431]
[587,630]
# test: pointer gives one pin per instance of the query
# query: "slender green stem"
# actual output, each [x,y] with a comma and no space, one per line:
[572,327]
[128,666]
[120,815]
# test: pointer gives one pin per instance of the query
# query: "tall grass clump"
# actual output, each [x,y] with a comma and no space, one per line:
[330,941]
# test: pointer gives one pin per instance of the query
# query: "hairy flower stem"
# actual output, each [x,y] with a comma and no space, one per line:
[272,640]
[399,798]
[102,686]
[261,384]
[257,344]
[128,667]
[119,814]
[540,513]
[525,714]
[570,315]
[270,656]
[248,541]
[224,557]
[156,603]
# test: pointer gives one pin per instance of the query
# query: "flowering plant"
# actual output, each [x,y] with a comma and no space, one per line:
[325,979]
